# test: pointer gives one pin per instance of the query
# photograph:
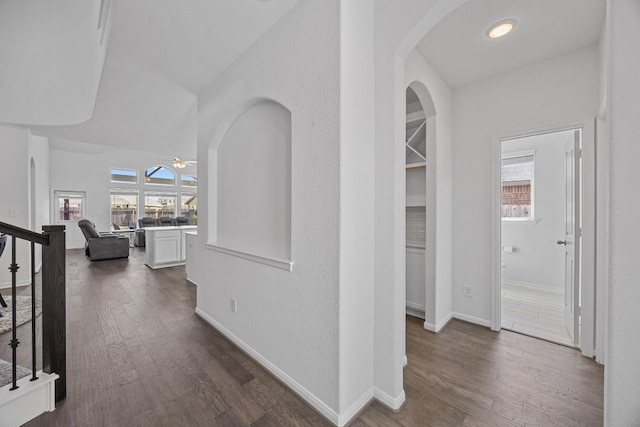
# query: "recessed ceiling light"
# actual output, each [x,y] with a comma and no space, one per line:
[501,29]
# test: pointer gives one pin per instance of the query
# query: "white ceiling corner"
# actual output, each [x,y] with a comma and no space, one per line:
[161,54]
[461,53]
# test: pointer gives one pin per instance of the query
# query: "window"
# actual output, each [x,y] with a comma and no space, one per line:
[157,205]
[125,176]
[188,181]
[189,207]
[517,186]
[159,175]
[69,206]
[124,209]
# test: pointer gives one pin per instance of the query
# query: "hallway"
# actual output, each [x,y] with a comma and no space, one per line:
[139,356]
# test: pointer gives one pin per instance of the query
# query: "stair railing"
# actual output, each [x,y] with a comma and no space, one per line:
[52,240]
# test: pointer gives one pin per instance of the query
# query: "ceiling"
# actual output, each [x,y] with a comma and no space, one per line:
[462,54]
[161,54]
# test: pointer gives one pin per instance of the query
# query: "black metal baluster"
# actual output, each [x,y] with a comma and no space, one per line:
[14,340]
[33,311]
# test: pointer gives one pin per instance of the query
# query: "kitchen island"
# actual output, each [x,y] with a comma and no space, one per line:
[166,246]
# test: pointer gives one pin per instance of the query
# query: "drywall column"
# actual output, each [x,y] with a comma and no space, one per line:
[399,25]
[14,193]
[356,205]
[622,373]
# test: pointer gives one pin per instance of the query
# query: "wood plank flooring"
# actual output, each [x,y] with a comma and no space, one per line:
[535,312]
[139,356]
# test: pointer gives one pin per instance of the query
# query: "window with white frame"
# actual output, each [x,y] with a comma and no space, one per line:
[189,207]
[159,175]
[188,181]
[517,186]
[158,205]
[124,208]
[124,176]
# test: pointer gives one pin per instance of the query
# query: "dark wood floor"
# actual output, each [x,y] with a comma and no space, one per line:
[139,356]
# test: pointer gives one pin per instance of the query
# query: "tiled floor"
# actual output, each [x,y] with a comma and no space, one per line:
[534,312]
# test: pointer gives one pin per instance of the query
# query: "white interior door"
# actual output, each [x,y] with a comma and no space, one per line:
[69,208]
[571,239]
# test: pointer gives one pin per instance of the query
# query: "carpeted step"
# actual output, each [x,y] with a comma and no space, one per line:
[5,372]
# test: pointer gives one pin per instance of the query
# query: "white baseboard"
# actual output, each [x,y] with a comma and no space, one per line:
[533,286]
[415,310]
[356,408]
[472,319]
[405,361]
[298,388]
[438,327]
[393,403]
[7,285]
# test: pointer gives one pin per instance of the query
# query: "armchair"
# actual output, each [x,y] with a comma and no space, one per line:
[181,220]
[103,246]
[165,221]
[139,239]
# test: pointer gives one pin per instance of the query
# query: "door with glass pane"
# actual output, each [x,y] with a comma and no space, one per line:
[69,208]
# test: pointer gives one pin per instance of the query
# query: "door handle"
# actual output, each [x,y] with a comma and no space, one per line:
[562,242]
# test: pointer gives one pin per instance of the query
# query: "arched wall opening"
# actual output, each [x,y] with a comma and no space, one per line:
[420,205]
[392,78]
[250,203]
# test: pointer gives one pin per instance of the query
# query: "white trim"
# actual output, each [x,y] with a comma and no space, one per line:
[588,247]
[31,399]
[277,263]
[514,154]
[7,285]
[300,390]
[355,409]
[496,234]
[472,319]
[588,260]
[393,403]
[405,361]
[536,286]
[415,310]
[438,327]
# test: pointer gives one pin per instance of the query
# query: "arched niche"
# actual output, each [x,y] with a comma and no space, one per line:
[253,183]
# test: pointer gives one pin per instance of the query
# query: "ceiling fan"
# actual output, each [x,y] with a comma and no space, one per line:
[180,163]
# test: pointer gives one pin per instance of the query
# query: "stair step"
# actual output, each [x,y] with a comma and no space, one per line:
[5,372]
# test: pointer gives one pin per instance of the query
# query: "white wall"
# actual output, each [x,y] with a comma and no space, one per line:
[52,53]
[622,371]
[438,189]
[549,93]
[536,258]
[39,154]
[14,193]
[288,320]
[87,168]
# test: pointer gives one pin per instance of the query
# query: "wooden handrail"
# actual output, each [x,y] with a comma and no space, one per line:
[24,234]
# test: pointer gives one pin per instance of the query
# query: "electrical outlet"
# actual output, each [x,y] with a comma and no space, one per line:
[234,305]
[468,292]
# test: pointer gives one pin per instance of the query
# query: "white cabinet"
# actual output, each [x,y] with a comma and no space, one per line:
[192,256]
[415,278]
[166,246]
